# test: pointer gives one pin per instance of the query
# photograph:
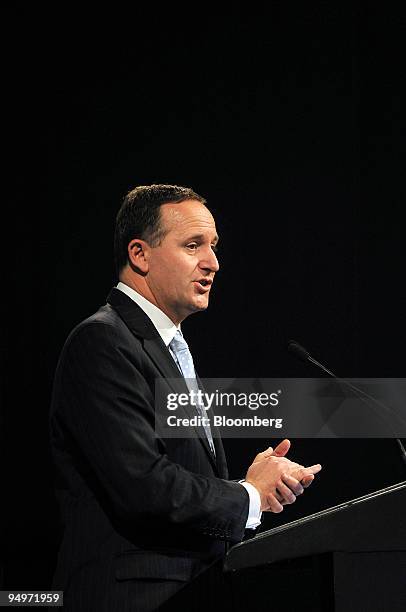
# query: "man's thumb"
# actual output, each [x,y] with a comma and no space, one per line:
[282,448]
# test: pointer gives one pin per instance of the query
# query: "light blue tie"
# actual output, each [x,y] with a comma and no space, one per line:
[183,357]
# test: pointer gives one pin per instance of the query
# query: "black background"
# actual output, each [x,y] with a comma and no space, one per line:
[291,124]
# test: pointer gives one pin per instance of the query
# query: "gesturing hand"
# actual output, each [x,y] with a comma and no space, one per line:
[277,479]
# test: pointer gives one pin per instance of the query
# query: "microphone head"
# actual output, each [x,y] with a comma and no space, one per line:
[298,350]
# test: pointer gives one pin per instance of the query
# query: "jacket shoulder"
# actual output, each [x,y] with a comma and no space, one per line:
[105,323]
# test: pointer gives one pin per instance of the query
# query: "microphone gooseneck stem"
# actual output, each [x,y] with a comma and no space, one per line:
[402,449]
[320,365]
[304,355]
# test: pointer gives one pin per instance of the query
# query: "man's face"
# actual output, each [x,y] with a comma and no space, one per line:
[182,268]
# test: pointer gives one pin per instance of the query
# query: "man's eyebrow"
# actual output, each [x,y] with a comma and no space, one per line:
[202,237]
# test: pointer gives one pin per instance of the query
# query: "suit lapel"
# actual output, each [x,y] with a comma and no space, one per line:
[143,328]
[221,461]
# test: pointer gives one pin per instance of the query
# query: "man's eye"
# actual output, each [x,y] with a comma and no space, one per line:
[192,246]
[214,248]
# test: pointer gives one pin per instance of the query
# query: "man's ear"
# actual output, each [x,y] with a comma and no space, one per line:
[138,255]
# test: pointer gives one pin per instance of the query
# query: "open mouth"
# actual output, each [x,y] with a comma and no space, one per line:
[204,282]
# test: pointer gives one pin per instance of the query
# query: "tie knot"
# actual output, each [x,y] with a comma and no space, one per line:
[178,343]
[182,355]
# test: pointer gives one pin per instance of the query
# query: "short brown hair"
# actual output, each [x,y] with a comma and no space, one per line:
[139,216]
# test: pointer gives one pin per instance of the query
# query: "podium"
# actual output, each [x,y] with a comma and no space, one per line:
[348,557]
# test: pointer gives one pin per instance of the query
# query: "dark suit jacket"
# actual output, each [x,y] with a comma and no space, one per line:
[142,516]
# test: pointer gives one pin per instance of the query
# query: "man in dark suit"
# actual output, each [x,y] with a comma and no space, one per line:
[143,515]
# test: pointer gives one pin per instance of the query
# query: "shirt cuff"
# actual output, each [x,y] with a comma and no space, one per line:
[254,512]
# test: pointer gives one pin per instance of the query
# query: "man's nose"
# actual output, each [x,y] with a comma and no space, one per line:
[210,262]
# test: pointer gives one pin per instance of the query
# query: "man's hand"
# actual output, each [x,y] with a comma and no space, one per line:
[277,479]
[280,451]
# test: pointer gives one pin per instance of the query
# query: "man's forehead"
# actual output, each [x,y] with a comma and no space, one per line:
[187,216]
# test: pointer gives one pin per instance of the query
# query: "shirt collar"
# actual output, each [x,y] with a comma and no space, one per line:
[165,327]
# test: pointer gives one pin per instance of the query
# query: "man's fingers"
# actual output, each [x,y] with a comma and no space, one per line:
[288,496]
[300,473]
[294,485]
[307,476]
[315,468]
[280,451]
[268,452]
[274,505]
[282,448]
[307,480]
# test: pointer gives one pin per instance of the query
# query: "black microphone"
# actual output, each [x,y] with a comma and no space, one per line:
[301,353]
[298,350]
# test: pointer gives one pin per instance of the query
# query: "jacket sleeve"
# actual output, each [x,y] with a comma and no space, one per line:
[103,401]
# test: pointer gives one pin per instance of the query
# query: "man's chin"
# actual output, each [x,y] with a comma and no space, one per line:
[200,304]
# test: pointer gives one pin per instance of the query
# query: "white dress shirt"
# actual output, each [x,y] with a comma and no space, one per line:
[167,330]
